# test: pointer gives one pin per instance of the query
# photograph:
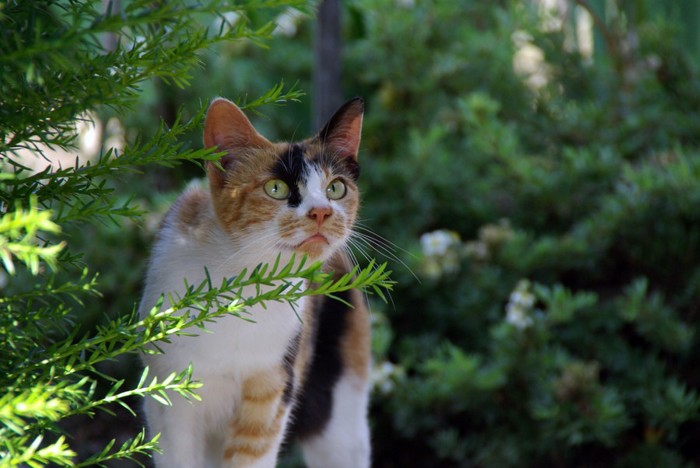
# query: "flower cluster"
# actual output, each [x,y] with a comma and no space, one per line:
[520,306]
[489,240]
[441,252]
[385,375]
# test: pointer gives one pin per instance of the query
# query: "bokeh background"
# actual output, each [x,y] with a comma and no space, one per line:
[530,171]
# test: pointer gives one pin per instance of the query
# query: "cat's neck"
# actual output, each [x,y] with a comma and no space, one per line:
[193,229]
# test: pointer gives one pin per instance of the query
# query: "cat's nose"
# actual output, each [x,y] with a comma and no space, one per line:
[320,214]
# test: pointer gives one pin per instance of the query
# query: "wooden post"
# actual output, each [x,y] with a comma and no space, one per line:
[328,95]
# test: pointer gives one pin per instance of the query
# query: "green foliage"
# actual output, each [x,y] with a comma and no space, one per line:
[60,60]
[19,232]
[563,331]
[549,212]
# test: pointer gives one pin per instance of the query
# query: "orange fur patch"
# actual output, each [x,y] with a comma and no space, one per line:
[356,343]
[240,202]
[259,418]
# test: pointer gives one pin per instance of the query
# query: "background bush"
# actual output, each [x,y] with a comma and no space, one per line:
[563,330]
[542,198]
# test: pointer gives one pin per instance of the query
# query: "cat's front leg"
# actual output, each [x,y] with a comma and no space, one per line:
[181,432]
[344,442]
[257,429]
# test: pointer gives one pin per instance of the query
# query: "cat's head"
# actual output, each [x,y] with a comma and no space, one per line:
[285,197]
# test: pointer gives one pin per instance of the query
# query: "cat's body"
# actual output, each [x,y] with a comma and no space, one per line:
[307,368]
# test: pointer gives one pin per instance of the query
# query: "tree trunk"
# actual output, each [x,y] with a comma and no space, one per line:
[328,95]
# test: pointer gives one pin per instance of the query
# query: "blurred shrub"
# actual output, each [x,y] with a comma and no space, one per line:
[565,334]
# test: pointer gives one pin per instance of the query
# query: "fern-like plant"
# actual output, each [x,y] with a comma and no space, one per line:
[58,60]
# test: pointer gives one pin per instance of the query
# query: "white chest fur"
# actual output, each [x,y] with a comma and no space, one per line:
[230,347]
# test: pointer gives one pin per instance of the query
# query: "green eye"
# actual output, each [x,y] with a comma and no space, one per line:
[276,189]
[336,190]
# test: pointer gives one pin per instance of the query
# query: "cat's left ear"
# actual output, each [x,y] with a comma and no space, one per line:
[228,129]
[341,135]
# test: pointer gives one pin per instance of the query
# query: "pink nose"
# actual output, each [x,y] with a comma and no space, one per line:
[320,214]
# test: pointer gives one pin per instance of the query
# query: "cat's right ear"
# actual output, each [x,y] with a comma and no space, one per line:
[341,135]
[228,129]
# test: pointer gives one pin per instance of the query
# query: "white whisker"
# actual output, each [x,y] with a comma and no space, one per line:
[384,241]
[353,242]
[382,249]
[269,235]
[355,263]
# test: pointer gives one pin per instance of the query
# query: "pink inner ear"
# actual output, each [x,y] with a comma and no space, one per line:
[346,138]
[341,135]
[227,127]
[219,138]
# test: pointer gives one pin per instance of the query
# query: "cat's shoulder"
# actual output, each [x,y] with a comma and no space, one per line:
[191,215]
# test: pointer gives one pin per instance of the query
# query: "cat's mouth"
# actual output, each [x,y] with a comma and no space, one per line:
[313,245]
[314,239]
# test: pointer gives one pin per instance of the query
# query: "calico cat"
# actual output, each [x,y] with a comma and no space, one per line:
[302,372]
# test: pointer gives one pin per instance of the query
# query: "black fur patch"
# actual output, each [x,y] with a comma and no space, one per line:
[290,358]
[291,167]
[316,397]
[338,165]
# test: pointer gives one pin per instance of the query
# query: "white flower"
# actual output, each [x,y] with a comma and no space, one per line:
[522,299]
[519,307]
[432,268]
[517,316]
[437,242]
[384,376]
[441,252]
